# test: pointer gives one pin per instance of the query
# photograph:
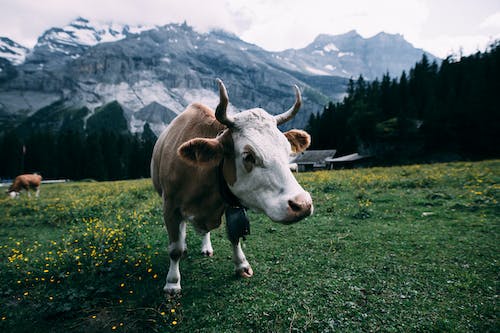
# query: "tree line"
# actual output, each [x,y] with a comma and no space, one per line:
[100,155]
[434,112]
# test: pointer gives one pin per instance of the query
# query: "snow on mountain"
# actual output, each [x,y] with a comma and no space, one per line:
[12,51]
[351,55]
[136,95]
[344,54]
[149,70]
[69,42]
[330,47]
[84,32]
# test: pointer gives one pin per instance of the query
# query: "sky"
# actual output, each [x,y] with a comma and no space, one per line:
[442,27]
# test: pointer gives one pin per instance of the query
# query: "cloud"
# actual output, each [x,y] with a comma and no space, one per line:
[491,22]
[445,45]
[283,24]
[274,25]
[17,18]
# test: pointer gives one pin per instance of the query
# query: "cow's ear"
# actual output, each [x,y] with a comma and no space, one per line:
[201,152]
[300,140]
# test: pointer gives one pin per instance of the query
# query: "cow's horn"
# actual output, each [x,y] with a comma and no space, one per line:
[286,116]
[220,111]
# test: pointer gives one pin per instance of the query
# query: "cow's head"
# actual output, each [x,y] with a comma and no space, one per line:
[13,194]
[255,156]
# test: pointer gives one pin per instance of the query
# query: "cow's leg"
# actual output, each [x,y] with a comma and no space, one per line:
[37,193]
[26,188]
[176,249]
[241,265]
[206,245]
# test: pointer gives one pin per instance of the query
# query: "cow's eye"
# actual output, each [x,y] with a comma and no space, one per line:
[248,160]
[248,157]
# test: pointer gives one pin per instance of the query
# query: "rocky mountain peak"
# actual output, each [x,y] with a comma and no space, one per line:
[152,72]
[323,39]
[12,51]
[59,44]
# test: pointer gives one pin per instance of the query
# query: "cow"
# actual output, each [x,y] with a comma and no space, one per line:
[25,182]
[206,163]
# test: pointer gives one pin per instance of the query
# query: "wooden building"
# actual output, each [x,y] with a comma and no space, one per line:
[310,160]
[347,161]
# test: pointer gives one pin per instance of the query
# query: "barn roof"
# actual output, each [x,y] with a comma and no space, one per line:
[346,158]
[314,156]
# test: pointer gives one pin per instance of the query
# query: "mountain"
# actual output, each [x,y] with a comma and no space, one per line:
[58,45]
[110,117]
[153,73]
[351,55]
[155,114]
[52,118]
[15,53]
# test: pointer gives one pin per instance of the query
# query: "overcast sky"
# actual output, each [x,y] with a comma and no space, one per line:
[438,26]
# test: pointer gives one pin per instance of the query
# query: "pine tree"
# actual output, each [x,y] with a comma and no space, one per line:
[451,108]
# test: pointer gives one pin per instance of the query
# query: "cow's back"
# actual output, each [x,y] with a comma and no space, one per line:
[25,181]
[35,179]
[170,175]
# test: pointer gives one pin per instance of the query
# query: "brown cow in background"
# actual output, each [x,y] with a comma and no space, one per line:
[25,182]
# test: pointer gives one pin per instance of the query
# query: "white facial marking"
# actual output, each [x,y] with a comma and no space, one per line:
[269,185]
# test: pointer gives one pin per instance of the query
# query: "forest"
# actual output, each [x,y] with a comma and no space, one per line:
[442,112]
[99,155]
[435,112]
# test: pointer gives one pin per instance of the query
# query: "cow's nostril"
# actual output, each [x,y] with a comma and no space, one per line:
[294,206]
[299,207]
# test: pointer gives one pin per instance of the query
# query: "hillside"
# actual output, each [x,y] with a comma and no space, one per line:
[433,112]
[412,248]
[89,64]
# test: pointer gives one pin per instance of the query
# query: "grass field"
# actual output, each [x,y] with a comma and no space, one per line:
[400,249]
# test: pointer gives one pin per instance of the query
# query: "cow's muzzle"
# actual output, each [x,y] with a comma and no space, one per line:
[299,207]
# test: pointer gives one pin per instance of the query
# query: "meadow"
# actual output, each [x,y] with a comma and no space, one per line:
[397,249]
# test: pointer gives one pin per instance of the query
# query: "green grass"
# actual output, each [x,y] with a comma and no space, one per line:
[411,248]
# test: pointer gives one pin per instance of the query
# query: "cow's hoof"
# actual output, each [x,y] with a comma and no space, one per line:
[207,253]
[245,272]
[173,297]
[172,289]
[172,292]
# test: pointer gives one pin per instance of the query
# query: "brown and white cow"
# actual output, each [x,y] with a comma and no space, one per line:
[202,153]
[25,182]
